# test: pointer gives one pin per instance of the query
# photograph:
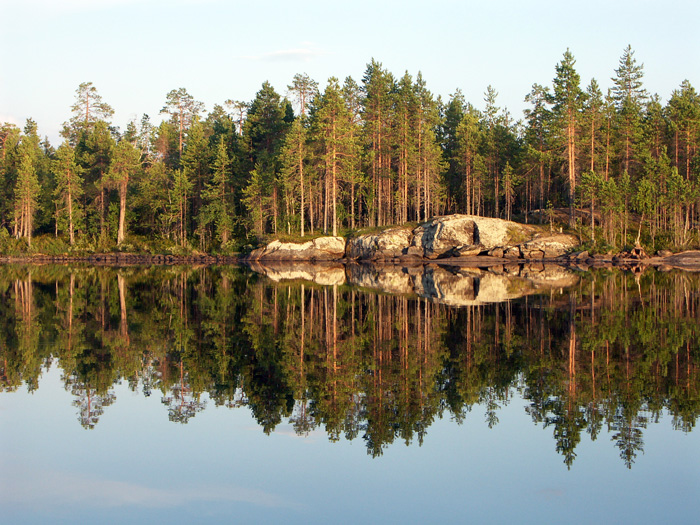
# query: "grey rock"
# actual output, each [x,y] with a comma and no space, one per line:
[387,244]
[319,249]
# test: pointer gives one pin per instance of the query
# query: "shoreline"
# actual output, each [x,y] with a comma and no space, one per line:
[688,261]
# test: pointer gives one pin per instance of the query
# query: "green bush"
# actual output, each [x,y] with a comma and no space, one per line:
[50,245]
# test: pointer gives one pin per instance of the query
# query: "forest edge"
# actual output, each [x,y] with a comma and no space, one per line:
[461,240]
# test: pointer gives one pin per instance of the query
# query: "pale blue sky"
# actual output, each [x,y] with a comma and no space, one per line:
[136,51]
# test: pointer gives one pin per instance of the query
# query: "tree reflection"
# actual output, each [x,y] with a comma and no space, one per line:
[614,353]
[182,402]
[90,402]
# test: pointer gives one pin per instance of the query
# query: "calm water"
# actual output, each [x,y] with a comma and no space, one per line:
[348,395]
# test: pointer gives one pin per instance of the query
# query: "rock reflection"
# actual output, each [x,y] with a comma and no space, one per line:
[451,285]
[368,354]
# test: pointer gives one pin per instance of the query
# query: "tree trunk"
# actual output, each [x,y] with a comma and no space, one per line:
[334,180]
[69,198]
[572,169]
[301,177]
[122,211]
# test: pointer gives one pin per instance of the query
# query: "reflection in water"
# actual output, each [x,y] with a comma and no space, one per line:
[611,352]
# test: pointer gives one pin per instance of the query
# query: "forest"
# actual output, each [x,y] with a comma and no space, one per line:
[619,168]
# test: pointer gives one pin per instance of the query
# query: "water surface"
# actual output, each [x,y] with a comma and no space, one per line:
[212,394]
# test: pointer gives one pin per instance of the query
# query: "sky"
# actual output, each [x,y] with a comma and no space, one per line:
[136,51]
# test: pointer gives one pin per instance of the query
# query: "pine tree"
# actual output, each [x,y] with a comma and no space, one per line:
[69,188]
[567,100]
[589,189]
[405,112]
[377,86]
[239,110]
[679,195]
[654,131]
[646,200]
[88,109]
[352,94]
[125,164]
[537,134]
[183,109]
[592,121]
[491,150]
[294,159]
[428,151]
[331,124]
[303,89]
[684,116]
[469,141]
[26,193]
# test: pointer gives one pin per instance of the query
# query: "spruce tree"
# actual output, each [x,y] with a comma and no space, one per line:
[217,207]
[269,117]
[179,196]
[629,96]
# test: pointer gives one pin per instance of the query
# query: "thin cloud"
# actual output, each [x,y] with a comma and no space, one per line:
[8,119]
[57,487]
[551,493]
[303,53]
[73,6]
[79,6]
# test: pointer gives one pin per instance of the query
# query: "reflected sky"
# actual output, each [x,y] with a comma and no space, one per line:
[137,466]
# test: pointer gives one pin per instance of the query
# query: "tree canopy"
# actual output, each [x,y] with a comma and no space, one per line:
[381,151]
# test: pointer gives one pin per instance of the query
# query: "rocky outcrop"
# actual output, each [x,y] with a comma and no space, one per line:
[320,249]
[462,236]
[689,260]
[443,237]
[466,235]
[388,244]
[548,246]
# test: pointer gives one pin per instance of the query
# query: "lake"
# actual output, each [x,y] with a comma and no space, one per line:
[348,394]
